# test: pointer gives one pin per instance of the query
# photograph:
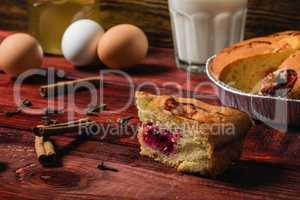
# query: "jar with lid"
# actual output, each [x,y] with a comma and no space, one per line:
[48,19]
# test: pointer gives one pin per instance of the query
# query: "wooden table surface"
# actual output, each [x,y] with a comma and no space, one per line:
[269,168]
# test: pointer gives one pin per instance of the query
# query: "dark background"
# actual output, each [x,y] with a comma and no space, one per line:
[264,16]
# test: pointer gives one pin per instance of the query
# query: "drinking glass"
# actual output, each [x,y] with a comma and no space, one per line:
[201,28]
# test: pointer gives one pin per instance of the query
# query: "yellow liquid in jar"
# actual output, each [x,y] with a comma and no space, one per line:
[50,18]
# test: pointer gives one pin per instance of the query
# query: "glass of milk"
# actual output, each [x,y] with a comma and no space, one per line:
[201,28]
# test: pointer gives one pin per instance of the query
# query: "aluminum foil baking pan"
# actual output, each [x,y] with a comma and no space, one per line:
[276,112]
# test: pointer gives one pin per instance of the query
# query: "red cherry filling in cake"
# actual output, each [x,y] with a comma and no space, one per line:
[160,139]
[279,83]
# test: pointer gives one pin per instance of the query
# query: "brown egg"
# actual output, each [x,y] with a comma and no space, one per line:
[20,52]
[123,46]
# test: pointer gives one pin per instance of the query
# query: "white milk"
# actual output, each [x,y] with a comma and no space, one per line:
[201,28]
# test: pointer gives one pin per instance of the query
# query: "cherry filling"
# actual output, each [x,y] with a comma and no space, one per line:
[279,83]
[160,139]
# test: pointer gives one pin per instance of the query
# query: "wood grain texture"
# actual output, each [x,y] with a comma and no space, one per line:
[13,15]
[264,17]
[269,16]
[137,177]
[269,168]
[151,15]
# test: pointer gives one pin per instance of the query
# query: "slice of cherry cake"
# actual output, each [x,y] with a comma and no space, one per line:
[190,135]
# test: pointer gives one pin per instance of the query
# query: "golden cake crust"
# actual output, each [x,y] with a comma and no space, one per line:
[151,107]
[288,41]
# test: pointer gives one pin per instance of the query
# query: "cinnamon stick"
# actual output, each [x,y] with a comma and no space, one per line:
[62,128]
[68,86]
[45,151]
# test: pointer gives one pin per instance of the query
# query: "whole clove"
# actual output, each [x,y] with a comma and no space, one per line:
[24,104]
[12,113]
[104,167]
[94,109]
[124,121]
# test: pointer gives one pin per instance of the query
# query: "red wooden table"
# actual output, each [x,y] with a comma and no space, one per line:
[269,168]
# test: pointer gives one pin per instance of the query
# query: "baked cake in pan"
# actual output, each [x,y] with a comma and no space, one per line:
[245,64]
[190,135]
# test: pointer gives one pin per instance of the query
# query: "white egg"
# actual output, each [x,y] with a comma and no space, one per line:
[79,42]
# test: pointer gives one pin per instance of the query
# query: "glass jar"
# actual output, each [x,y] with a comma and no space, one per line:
[48,19]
